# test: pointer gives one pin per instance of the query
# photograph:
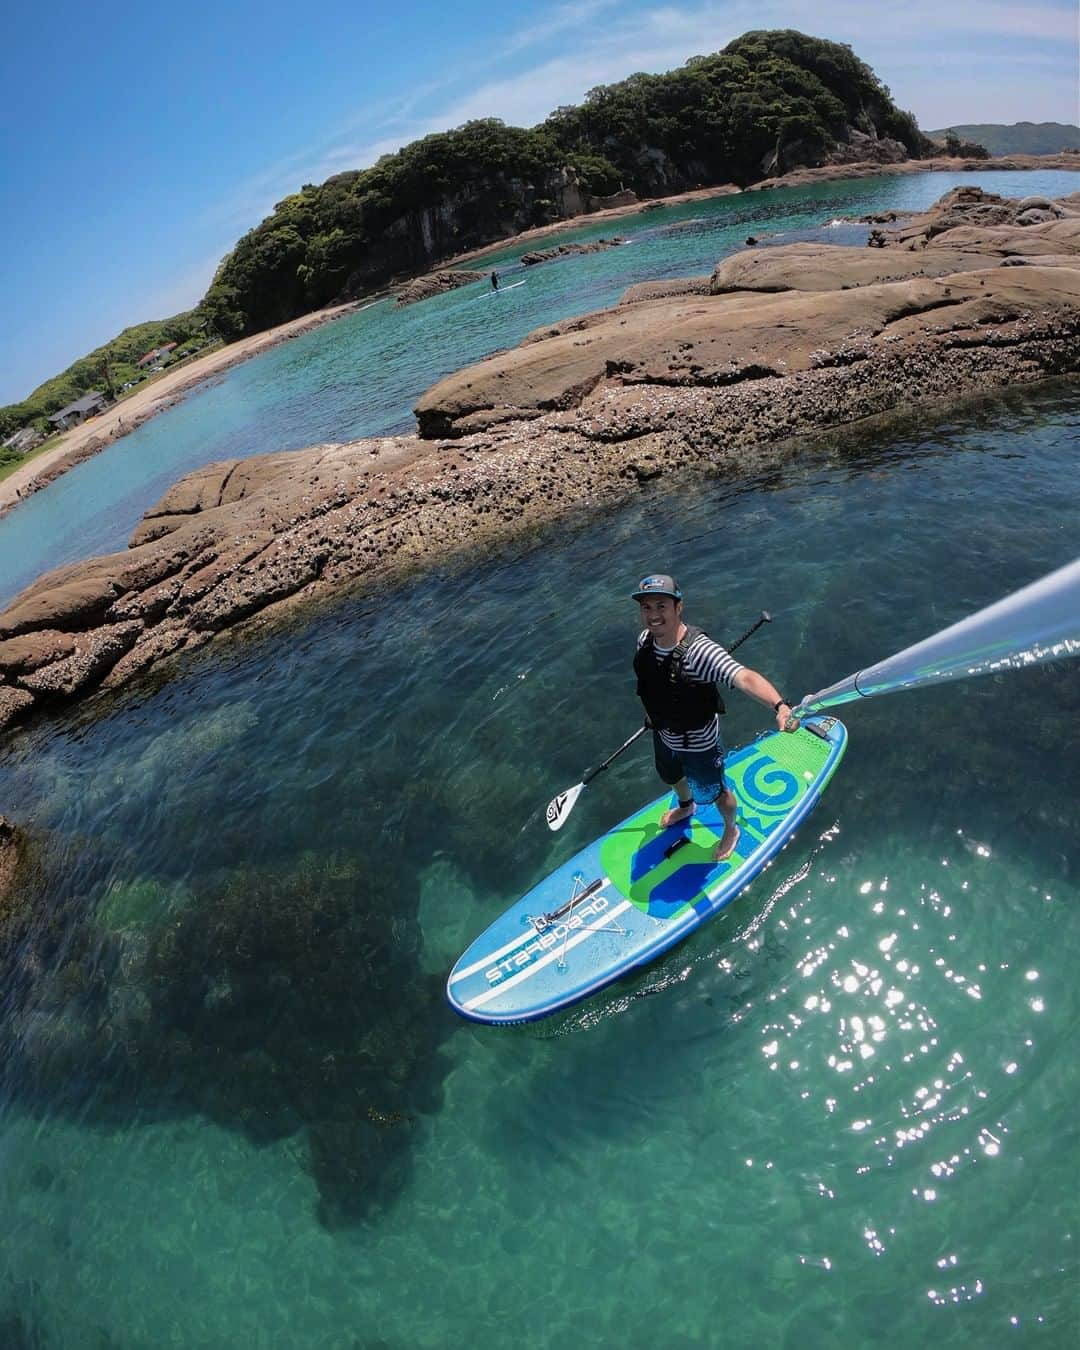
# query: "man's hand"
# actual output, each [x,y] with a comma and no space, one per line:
[784,719]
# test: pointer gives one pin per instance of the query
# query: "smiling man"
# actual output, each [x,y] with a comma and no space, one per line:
[678,668]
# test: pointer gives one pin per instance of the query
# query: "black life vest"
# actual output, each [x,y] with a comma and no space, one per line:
[672,702]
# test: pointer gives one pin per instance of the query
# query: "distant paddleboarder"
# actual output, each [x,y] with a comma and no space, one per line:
[678,668]
[494,281]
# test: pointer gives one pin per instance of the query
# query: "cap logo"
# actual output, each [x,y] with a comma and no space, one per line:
[657,583]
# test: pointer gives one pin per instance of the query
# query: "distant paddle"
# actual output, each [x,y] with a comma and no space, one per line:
[559,808]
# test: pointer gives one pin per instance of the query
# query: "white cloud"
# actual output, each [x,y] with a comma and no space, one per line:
[909,38]
[560,20]
[924,20]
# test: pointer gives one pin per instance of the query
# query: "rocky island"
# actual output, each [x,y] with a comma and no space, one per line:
[715,375]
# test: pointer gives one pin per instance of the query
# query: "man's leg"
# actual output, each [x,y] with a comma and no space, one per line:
[727,806]
[685,808]
[672,776]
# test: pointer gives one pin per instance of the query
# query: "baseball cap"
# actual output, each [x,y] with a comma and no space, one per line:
[657,583]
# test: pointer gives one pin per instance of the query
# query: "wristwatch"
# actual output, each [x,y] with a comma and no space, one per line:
[780,703]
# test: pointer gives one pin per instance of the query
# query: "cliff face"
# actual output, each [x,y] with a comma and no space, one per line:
[498,208]
[853,146]
[481,213]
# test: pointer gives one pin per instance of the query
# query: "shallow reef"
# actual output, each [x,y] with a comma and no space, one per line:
[271,1002]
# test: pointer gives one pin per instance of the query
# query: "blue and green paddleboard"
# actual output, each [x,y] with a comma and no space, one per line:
[639,889]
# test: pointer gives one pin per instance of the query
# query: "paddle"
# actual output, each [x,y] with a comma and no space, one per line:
[559,808]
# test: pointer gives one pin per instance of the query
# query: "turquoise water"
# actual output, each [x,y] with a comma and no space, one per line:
[234,1107]
[362,375]
[236,1110]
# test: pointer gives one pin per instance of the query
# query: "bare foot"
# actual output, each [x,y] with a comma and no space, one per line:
[726,847]
[676,814]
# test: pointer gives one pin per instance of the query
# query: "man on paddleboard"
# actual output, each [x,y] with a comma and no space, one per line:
[678,668]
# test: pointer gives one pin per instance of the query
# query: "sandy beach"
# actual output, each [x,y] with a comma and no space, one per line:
[158,395]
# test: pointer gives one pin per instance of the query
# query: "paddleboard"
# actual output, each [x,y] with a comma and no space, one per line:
[512,287]
[639,889]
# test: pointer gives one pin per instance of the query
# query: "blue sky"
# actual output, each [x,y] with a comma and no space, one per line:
[139,143]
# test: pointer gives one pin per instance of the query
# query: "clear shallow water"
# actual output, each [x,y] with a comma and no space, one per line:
[362,375]
[237,1111]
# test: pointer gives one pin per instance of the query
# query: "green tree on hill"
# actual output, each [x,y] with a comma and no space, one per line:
[964,149]
[731,116]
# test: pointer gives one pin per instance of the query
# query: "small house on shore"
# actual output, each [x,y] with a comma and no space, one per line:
[79,411]
[150,359]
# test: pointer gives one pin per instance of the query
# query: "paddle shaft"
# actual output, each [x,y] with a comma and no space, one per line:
[766,617]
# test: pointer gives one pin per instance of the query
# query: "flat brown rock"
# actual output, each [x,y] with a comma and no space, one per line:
[830,267]
[227,481]
[1049,237]
[435,283]
[73,602]
[727,338]
[20,654]
[662,290]
[542,255]
[95,653]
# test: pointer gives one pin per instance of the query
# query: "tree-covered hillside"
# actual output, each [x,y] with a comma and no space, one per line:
[768,102]
[1021,138]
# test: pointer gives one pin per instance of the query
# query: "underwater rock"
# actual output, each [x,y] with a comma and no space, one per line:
[21,853]
[357,1167]
[9,859]
[262,1003]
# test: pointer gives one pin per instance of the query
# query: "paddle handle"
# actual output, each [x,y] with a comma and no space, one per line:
[766,617]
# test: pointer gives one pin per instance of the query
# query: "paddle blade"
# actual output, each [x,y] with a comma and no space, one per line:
[560,807]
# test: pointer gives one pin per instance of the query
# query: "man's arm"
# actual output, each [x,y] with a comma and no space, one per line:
[757,687]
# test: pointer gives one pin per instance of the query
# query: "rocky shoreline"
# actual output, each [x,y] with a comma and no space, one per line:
[714,374]
[166,394]
[794,178]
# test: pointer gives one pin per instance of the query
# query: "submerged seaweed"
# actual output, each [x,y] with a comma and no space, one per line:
[270,1003]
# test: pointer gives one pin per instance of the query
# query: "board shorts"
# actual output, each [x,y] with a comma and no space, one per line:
[702,769]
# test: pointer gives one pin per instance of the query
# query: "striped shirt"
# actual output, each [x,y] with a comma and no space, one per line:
[706,662]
